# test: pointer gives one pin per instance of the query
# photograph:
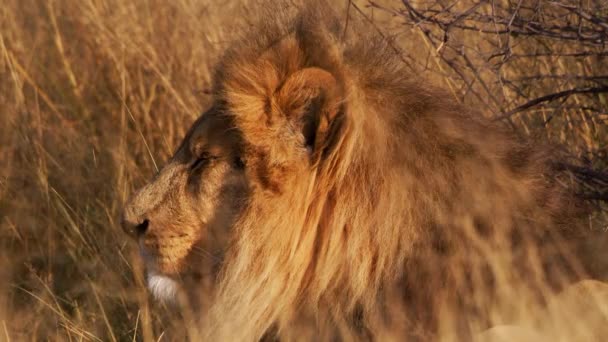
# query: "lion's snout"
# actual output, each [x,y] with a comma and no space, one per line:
[159,219]
[135,220]
[138,216]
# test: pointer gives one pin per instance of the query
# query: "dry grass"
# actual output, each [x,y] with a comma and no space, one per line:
[95,95]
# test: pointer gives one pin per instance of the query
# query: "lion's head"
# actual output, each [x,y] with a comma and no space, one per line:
[328,193]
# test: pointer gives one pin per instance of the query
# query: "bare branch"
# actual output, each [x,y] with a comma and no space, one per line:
[551,97]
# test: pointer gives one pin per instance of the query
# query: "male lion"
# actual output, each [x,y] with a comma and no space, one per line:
[329,194]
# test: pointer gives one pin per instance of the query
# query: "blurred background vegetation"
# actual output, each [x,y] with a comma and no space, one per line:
[95,95]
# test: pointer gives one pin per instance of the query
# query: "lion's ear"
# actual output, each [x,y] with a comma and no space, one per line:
[312,99]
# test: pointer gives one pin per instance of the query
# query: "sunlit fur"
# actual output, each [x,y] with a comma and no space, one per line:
[408,215]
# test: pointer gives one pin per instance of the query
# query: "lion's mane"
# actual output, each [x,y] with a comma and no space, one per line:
[421,216]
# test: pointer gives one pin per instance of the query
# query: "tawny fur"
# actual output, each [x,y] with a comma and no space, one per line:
[348,199]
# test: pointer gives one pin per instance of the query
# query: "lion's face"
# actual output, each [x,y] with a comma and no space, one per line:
[249,155]
[184,215]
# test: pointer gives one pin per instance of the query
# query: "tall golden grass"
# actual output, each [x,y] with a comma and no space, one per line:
[95,95]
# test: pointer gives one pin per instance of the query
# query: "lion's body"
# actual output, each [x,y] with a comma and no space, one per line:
[405,215]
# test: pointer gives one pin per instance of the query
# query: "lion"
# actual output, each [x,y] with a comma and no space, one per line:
[328,193]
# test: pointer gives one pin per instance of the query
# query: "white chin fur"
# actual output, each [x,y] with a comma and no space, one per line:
[162,287]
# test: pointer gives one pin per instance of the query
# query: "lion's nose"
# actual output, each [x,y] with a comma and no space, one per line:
[135,227]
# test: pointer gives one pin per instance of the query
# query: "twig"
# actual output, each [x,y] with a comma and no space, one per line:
[551,97]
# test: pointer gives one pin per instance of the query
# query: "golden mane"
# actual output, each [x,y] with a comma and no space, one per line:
[419,215]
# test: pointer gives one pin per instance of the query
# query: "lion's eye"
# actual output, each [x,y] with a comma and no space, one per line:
[203,159]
